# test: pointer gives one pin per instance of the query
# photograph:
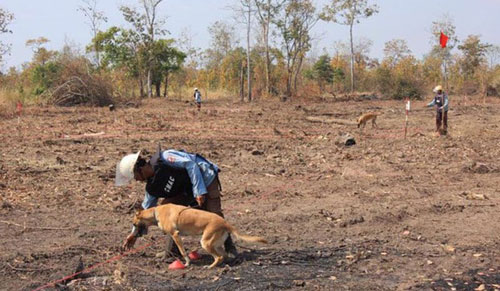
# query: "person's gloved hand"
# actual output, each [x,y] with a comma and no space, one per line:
[200,200]
[129,242]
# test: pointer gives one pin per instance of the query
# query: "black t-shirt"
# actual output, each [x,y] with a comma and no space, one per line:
[168,181]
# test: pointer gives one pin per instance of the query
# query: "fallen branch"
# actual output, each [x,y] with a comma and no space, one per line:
[33,227]
[330,120]
[26,269]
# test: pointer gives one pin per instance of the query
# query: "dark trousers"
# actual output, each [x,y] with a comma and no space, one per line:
[440,118]
[212,202]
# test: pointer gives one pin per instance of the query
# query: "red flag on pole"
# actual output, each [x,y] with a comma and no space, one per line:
[443,39]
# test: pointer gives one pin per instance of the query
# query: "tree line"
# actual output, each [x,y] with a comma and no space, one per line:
[275,59]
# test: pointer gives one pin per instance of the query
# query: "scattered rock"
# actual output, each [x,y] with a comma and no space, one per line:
[299,283]
[257,152]
[352,221]
[478,168]
[6,205]
[448,248]
[473,196]
[119,277]
[345,140]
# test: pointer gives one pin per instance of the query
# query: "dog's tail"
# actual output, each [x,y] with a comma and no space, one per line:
[248,238]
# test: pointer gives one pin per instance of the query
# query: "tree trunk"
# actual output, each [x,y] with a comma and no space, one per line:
[158,89]
[296,77]
[352,58]
[289,83]
[242,82]
[166,85]
[141,87]
[249,77]
[149,87]
[268,57]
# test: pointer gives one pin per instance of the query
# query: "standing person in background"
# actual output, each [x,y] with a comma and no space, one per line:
[197,98]
[441,103]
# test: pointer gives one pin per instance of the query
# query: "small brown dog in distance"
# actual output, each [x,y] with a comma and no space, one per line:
[363,119]
[177,220]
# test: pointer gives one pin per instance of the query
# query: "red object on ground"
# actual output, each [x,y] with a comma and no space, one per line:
[194,255]
[176,265]
[19,107]
[443,39]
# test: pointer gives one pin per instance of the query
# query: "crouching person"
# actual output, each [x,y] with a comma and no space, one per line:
[176,177]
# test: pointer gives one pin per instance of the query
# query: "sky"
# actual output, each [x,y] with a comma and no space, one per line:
[411,20]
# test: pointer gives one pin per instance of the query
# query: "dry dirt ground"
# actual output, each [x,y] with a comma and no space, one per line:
[388,213]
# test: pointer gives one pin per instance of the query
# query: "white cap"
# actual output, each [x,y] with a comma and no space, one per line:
[196,89]
[437,88]
[125,169]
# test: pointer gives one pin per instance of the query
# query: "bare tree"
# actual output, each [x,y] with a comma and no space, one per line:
[5,19]
[150,11]
[348,12]
[243,14]
[396,50]
[295,24]
[266,12]
[185,44]
[493,56]
[95,18]
[444,25]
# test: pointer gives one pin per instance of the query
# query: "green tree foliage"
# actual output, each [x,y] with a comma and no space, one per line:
[295,24]
[146,26]
[323,72]
[120,48]
[123,48]
[167,60]
[43,76]
[44,70]
[474,55]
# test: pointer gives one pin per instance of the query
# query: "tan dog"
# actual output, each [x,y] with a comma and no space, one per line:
[363,119]
[177,220]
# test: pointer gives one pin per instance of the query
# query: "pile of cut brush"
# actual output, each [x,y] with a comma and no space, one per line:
[77,86]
